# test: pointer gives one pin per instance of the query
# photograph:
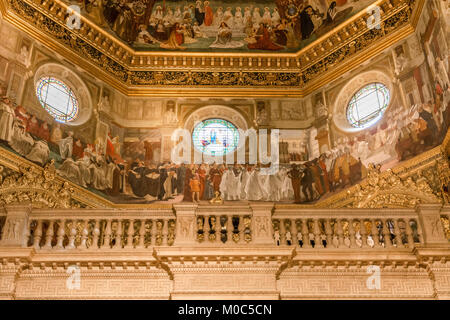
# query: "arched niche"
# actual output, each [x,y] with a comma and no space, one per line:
[215,111]
[74,82]
[339,109]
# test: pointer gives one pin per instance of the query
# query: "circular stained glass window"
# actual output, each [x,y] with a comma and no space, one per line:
[367,105]
[215,137]
[57,98]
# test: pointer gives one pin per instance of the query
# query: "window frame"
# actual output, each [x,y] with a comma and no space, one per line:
[230,126]
[48,82]
[373,117]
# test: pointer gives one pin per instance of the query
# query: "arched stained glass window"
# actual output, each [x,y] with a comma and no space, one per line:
[215,137]
[368,105]
[57,98]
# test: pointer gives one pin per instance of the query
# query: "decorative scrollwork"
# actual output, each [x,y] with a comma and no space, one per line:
[388,190]
[40,187]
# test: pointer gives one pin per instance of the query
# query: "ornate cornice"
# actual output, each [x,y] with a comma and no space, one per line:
[230,74]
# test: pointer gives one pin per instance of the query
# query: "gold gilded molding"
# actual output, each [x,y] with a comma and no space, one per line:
[195,74]
[390,191]
[38,186]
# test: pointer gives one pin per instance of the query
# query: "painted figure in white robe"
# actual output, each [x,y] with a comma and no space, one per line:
[255,188]
[21,141]
[287,188]
[39,152]
[98,174]
[233,185]
[256,17]
[169,189]
[84,164]
[276,19]
[228,18]
[245,177]
[70,170]
[273,186]
[267,17]
[224,38]
[218,17]
[66,146]
[6,120]
[238,20]
[224,183]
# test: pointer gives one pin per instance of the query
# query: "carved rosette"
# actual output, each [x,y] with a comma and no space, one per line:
[38,186]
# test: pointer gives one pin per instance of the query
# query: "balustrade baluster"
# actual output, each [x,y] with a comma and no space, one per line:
[141,241]
[229,225]
[95,235]
[282,230]
[49,235]
[352,233]
[72,234]
[316,230]
[84,233]
[60,234]
[398,234]
[206,229]
[328,232]
[299,239]
[340,232]
[153,232]
[165,231]
[374,233]
[130,234]
[305,233]
[120,233]
[288,231]
[37,234]
[386,233]
[108,233]
[363,232]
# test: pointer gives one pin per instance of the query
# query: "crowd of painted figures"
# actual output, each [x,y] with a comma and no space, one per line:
[304,182]
[95,165]
[264,28]
[100,166]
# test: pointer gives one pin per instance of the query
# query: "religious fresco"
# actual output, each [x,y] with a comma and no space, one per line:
[220,25]
[132,166]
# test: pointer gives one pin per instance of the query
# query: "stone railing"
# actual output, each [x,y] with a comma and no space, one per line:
[360,228]
[88,229]
[244,225]
[348,232]
[221,225]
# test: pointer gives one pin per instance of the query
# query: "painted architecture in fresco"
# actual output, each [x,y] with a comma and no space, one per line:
[220,25]
[321,150]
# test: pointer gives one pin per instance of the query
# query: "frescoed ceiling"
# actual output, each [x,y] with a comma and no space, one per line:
[278,48]
[219,25]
